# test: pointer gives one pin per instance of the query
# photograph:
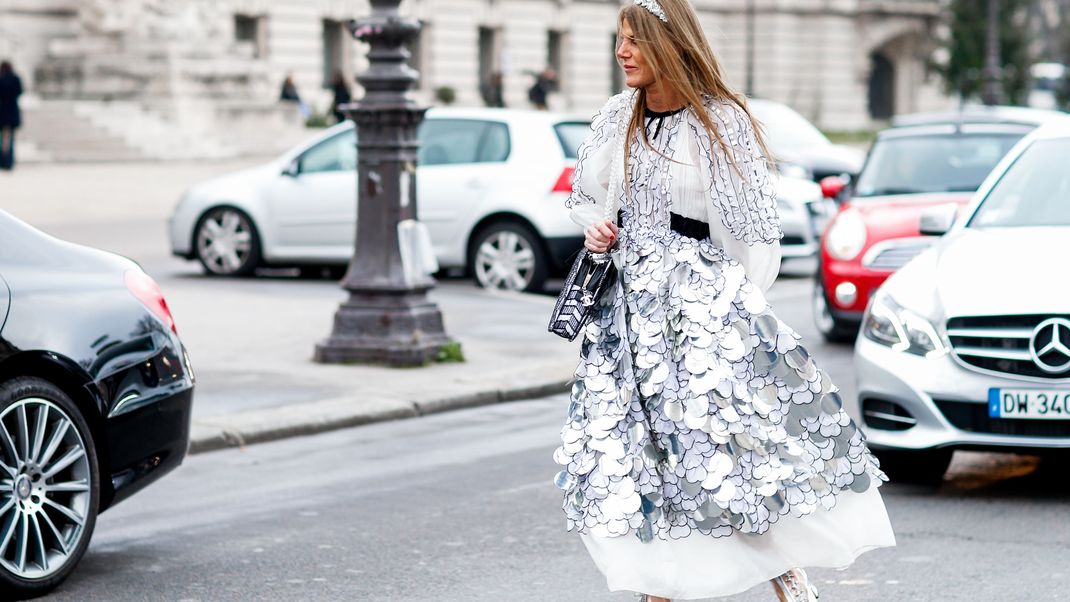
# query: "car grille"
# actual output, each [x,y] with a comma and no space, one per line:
[973,417]
[792,240]
[998,343]
[894,254]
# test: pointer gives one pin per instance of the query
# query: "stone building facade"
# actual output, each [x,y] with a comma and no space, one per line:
[845,64]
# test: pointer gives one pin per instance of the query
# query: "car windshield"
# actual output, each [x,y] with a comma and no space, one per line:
[571,135]
[937,163]
[785,129]
[1034,191]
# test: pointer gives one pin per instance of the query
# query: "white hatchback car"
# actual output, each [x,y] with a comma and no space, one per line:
[968,345]
[491,187]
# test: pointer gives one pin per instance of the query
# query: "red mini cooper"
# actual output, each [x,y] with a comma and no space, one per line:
[923,161]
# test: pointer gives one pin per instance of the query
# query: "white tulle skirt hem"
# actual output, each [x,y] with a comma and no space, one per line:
[700,566]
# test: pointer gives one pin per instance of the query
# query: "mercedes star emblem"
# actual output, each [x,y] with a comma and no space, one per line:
[1050,345]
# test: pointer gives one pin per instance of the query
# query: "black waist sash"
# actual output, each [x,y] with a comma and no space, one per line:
[691,228]
[684,226]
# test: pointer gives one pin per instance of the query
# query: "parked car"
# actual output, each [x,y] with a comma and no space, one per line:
[491,187]
[968,346]
[921,162]
[95,398]
[800,148]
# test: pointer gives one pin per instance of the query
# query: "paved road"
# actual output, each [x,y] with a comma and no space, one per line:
[459,507]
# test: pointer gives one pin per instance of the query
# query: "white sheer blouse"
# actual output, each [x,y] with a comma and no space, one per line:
[690,197]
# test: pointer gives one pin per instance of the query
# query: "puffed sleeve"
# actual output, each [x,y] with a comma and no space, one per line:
[742,196]
[761,261]
[590,181]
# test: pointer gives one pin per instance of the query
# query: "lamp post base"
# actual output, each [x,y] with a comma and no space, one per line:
[398,330]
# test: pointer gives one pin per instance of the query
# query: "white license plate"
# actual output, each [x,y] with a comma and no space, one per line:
[1036,404]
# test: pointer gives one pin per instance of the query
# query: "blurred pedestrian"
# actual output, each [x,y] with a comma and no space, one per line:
[342,95]
[10,116]
[491,90]
[289,94]
[545,84]
[705,451]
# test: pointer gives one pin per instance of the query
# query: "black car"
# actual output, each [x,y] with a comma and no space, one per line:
[95,397]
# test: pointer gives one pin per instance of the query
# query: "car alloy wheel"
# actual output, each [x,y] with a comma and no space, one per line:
[49,491]
[509,257]
[227,243]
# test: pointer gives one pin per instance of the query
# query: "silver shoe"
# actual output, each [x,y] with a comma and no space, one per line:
[795,584]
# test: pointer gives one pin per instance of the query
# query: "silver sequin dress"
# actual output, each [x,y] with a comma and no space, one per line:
[704,451]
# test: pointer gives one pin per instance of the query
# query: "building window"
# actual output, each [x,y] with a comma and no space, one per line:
[881,87]
[335,51]
[556,44]
[489,53]
[616,81]
[417,56]
[251,30]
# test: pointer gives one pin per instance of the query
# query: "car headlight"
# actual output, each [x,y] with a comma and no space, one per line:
[892,325]
[847,235]
[794,170]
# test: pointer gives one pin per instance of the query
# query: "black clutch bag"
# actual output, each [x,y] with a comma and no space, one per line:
[591,275]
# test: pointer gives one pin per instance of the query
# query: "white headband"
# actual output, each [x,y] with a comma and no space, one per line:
[654,8]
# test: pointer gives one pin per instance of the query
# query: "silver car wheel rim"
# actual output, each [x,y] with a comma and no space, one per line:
[822,314]
[224,241]
[505,260]
[45,488]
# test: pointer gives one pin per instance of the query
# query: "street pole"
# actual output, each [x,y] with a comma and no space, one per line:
[751,13]
[388,318]
[993,89]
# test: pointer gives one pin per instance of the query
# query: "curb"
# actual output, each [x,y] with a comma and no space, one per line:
[260,426]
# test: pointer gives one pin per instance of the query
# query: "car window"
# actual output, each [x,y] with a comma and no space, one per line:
[938,163]
[337,153]
[572,135]
[460,141]
[1034,191]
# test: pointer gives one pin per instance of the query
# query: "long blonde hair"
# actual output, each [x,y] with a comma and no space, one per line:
[682,61]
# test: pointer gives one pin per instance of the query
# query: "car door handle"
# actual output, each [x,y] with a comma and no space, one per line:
[475,183]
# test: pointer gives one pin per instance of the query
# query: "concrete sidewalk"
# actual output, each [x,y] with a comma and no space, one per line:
[251,343]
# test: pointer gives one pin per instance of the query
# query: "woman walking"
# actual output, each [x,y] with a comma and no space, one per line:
[705,452]
[342,95]
[10,116]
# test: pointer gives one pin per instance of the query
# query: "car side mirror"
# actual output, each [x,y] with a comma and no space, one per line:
[832,186]
[936,221]
[293,168]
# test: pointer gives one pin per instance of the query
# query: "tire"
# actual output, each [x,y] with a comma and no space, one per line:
[508,256]
[227,243]
[831,329]
[921,467]
[55,542]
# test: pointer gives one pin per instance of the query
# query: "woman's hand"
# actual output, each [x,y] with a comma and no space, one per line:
[600,236]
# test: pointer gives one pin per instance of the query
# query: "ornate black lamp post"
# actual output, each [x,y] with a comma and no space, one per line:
[387,318]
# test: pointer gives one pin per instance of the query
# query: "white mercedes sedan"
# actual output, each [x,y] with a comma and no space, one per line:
[968,345]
